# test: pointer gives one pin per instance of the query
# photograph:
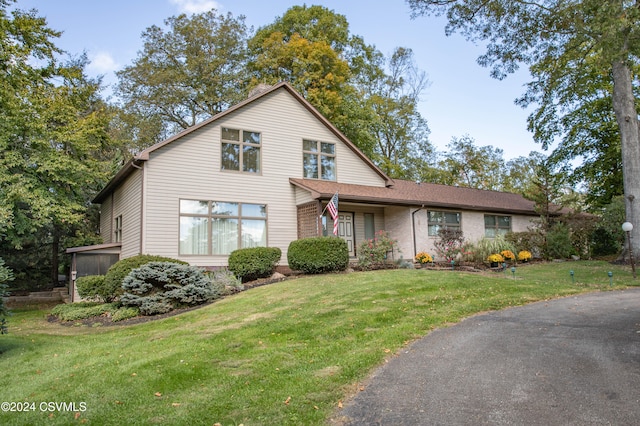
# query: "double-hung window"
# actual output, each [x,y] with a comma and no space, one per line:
[215,227]
[496,225]
[117,229]
[319,160]
[442,219]
[240,150]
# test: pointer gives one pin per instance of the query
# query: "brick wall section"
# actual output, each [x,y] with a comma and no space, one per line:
[308,220]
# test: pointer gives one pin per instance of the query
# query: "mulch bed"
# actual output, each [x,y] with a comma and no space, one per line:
[105,320]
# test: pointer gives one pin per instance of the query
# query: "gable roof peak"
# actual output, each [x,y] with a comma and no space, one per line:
[259,89]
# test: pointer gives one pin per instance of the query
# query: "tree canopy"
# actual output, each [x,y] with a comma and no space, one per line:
[186,73]
[54,147]
[565,44]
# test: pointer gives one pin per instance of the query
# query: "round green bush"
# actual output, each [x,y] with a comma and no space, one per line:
[256,262]
[91,286]
[112,286]
[318,255]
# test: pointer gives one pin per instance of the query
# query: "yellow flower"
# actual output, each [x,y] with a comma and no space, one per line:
[495,258]
[524,255]
[508,254]
[423,257]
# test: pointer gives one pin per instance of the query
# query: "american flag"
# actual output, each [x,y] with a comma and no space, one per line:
[333,210]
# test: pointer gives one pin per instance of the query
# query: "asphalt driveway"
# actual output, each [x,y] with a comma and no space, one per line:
[571,361]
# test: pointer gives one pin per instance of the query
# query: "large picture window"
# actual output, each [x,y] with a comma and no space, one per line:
[441,219]
[496,225]
[240,150]
[215,227]
[319,160]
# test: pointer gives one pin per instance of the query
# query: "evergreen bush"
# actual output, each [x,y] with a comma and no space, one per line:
[604,242]
[91,286]
[124,313]
[559,244]
[160,287]
[112,286]
[317,255]
[82,310]
[256,262]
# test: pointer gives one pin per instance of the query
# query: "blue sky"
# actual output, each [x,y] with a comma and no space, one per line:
[461,99]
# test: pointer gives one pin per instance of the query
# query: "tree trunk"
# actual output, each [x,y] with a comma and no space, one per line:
[627,118]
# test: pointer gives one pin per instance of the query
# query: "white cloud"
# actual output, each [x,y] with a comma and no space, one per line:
[195,6]
[102,63]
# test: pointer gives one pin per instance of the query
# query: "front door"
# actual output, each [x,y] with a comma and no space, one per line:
[345,231]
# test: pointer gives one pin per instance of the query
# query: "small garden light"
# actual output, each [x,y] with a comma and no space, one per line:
[453,262]
[504,266]
[513,271]
[573,280]
[610,274]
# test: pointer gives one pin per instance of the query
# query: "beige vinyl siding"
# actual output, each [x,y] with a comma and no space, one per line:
[189,168]
[302,196]
[106,220]
[127,202]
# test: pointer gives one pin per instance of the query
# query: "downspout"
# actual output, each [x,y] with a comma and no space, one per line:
[413,229]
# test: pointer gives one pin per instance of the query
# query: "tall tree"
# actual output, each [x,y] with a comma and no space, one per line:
[402,145]
[191,70]
[469,165]
[520,173]
[54,149]
[559,39]
[312,67]
[312,48]
[372,100]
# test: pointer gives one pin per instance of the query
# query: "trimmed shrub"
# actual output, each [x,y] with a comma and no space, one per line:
[318,255]
[91,286]
[160,287]
[256,262]
[112,286]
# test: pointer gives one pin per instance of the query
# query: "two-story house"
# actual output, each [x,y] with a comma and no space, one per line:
[260,174]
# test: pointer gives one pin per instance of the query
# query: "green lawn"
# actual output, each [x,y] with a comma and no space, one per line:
[286,353]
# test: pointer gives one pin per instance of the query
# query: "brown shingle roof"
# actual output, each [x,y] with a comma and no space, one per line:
[409,193]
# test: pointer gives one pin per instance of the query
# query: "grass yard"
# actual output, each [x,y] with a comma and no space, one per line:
[286,354]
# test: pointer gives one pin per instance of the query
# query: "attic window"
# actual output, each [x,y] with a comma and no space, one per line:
[319,160]
[240,150]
